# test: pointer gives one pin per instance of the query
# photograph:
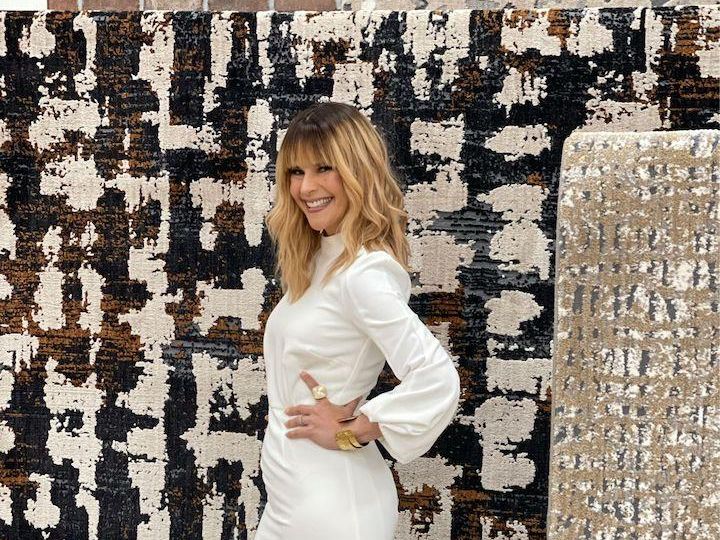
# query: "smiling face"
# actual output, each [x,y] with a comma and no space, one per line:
[311,182]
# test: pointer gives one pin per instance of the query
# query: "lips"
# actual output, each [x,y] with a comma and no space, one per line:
[327,199]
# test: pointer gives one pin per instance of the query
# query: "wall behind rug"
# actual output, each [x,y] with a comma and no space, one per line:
[136,168]
[329,5]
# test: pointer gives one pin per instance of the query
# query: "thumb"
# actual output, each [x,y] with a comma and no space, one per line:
[352,404]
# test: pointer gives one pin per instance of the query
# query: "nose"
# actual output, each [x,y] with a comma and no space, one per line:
[308,185]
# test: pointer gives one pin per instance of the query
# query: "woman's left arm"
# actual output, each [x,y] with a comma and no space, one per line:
[363,429]
[411,416]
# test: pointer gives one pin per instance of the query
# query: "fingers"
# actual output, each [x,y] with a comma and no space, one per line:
[299,421]
[299,433]
[311,383]
[309,379]
[299,409]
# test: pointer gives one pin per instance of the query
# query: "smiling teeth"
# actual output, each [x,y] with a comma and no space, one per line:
[320,202]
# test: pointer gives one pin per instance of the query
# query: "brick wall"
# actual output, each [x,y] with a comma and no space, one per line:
[327,5]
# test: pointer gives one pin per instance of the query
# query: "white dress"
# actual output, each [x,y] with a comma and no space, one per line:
[342,335]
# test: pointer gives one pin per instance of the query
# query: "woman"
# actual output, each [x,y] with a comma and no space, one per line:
[339,228]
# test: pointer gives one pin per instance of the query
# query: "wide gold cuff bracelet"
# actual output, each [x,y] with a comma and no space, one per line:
[346,440]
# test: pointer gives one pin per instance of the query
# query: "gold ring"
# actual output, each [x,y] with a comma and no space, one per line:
[319,391]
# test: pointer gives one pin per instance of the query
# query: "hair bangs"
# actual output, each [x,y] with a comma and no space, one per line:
[308,144]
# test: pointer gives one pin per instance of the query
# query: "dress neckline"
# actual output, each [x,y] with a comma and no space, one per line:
[331,245]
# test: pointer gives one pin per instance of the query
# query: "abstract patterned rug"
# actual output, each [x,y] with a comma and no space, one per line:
[136,167]
[636,380]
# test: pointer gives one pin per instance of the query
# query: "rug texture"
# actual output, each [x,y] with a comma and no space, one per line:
[136,168]
[636,380]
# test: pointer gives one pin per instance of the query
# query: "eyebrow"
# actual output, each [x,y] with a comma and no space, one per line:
[317,164]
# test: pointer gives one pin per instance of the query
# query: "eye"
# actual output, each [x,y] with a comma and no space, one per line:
[298,171]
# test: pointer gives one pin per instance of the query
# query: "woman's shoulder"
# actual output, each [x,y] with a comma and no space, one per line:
[376,259]
[371,269]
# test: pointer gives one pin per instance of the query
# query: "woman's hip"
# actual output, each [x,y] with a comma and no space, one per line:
[330,493]
[352,497]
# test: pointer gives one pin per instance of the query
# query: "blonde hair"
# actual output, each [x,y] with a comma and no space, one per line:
[340,136]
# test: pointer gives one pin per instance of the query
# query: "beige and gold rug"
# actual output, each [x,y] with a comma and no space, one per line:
[636,379]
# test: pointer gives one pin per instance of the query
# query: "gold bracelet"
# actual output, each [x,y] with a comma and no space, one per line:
[346,440]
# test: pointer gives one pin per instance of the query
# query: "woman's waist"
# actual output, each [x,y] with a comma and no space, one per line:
[343,381]
[303,447]
[339,392]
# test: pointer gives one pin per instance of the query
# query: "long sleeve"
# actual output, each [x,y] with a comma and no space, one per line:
[375,293]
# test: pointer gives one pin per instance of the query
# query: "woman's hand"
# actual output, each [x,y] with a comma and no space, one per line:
[320,420]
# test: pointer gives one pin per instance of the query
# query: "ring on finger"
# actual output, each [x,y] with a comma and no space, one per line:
[319,391]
